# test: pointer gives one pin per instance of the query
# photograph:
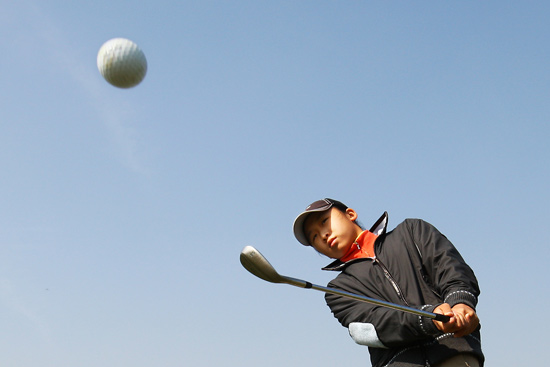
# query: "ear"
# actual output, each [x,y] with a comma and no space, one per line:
[352,214]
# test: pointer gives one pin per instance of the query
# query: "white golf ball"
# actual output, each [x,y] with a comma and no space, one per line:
[122,63]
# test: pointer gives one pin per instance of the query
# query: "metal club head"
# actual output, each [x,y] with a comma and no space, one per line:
[253,261]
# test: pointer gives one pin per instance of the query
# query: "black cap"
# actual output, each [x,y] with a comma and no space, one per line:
[317,206]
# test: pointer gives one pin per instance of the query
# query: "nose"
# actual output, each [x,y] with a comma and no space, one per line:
[326,235]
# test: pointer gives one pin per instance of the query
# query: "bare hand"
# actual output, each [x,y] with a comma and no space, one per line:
[469,318]
[463,319]
[449,326]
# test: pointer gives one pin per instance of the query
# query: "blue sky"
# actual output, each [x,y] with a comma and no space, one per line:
[125,210]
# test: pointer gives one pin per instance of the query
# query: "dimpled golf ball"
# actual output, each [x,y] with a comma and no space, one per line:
[122,63]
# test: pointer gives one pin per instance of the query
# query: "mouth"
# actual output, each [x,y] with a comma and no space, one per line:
[331,242]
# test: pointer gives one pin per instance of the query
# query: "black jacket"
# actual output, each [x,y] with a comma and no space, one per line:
[416,266]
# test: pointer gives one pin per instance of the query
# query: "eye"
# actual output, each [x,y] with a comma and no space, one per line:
[312,239]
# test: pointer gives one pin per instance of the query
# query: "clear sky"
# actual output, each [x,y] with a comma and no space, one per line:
[124,211]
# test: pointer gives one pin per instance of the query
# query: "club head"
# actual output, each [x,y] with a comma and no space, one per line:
[253,261]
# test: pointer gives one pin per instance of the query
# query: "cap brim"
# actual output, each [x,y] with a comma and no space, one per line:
[299,228]
[299,224]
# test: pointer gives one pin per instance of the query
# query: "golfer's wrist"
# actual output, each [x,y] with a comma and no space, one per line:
[461,296]
[427,325]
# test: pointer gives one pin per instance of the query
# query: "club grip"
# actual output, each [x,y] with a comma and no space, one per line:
[442,318]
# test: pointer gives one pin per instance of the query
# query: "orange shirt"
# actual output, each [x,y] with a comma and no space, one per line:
[363,247]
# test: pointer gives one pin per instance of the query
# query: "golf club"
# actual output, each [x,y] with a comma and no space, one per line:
[253,261]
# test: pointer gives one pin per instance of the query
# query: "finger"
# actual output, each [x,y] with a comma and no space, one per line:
[445,307]
[459,320]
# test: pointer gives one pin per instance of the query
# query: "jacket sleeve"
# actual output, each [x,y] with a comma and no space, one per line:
[377,326]
[447,274]
[445,268]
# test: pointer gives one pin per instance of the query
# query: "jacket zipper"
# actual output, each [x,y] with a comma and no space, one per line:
[392,281]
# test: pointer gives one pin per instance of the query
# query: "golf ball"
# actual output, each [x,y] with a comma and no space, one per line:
[122,63]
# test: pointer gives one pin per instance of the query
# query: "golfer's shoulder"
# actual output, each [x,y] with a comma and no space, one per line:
[410,224]
[350,274]
[407,230]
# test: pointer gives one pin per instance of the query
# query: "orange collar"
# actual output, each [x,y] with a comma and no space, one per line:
[363,247]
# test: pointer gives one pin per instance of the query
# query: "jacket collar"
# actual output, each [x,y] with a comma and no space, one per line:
[378,228]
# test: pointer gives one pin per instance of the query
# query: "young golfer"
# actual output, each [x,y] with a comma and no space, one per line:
[413,265]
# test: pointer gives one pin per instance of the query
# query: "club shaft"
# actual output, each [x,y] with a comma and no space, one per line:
[257,264]
[304,284]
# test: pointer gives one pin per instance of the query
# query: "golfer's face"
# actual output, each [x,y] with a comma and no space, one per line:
[332,232]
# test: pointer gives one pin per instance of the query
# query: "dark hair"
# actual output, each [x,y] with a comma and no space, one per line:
[343,207]
[339,205]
